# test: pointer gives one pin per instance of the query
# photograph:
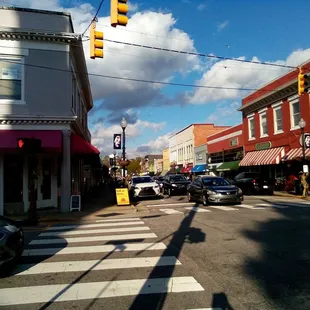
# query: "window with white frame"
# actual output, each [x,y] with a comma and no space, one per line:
[278,120]
[251,128]
[11,79]
[263,124]
[295,112]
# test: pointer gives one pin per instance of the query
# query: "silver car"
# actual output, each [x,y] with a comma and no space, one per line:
[210,189]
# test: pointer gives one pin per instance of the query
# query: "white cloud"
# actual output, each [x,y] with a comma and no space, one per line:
[155,146]
[222,25]
[133,7]
[224,112]
[201,7]
[232,74]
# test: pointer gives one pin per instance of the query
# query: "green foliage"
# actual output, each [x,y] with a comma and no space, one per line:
[134,166]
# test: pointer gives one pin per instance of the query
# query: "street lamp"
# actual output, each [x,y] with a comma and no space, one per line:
[124,125]
[302,125]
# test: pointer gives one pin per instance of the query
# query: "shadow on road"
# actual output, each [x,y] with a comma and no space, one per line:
[282,269]
[185,233]
[220,302]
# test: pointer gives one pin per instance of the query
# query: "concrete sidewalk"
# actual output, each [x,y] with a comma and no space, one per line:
[95,209]
[286,194]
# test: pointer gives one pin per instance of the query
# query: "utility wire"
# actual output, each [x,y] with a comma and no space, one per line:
[199,54]
[94,18]
[140,80]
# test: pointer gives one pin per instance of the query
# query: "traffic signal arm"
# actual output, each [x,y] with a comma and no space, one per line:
[119,9]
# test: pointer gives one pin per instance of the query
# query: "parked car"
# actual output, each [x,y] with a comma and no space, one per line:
[175,183]
[143,186]
[160,181]
[11,241]
[253,183]
[212,189]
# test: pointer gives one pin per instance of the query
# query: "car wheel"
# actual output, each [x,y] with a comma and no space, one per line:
[189,197]
[205,200]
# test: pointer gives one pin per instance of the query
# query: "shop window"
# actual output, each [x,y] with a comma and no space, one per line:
[11,79]
[13,179]
[295,113]
[263,124]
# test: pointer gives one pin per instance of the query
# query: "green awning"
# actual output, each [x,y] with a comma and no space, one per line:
[230,165]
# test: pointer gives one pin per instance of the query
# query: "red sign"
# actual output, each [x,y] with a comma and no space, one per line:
[20,143]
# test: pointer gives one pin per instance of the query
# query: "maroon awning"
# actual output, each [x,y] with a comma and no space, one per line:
[51,140]
[187,169]
[81,146]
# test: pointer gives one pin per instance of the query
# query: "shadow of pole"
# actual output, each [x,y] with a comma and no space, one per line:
[180,236]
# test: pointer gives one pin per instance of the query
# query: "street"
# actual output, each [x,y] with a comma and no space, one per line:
[173,255]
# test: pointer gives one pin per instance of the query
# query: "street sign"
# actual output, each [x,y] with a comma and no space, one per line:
[122,196]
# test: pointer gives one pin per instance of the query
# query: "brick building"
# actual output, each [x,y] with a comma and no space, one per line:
[272,135]
[225,150]
[182,144]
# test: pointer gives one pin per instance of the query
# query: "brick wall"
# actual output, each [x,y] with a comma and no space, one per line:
[202,131]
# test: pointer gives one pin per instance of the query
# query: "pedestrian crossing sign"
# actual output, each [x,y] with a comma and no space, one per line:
[122,197]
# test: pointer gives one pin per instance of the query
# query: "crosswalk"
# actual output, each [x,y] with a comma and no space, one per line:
[93,253]
[181,208]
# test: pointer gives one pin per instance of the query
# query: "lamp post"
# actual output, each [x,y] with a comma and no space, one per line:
[302,125]
[124,125]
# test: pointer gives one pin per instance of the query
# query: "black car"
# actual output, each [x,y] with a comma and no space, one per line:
[210,189]
[253,183]
[11,241]
[175,183]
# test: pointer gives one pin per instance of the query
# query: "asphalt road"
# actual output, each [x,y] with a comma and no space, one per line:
[252,256]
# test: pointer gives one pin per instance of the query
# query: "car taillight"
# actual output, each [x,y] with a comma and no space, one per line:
[254,182]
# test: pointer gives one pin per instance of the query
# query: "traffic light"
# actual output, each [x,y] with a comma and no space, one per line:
[29,144]
[96,43]
[303,83]
[119,9]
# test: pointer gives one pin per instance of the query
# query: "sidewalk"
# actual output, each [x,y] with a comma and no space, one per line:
[95,209]
[286,194]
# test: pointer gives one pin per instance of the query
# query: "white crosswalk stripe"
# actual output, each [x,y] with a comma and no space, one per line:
[251,207]
[170,211]
[224,208]
[60,261]
[196,209]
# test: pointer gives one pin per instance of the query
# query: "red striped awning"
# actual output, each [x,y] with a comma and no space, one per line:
[265,157]
[296,153]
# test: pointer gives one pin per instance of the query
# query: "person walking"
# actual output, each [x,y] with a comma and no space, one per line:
[304,184]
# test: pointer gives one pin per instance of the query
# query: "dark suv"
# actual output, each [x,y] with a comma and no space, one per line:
[175,183]
[253,183]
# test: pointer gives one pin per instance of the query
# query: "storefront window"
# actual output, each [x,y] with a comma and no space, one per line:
[13,179]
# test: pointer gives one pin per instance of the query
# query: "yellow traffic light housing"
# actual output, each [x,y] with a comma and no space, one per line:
[119,9]
[96,43]
[303,82]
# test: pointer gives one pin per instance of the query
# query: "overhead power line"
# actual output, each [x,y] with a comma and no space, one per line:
[140,80]
[94,18]
[199,54]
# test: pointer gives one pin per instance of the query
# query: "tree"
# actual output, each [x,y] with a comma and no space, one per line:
[105,160]
[134,166]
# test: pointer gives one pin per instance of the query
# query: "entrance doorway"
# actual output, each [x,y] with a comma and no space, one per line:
[47,182]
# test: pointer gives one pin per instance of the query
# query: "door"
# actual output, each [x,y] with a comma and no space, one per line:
[47,182]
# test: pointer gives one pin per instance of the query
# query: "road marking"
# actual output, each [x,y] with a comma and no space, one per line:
[94,290]
[119,220]
[250,207]
[92,231]
[196,209]
[272,205]
[170,211]
[224,208]
[264,204]
[206,309]
[63,227]
[107,264]
[124,247]
[95,238]
[172,204]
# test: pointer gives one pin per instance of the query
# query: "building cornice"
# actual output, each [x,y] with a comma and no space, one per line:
[35,120]
[287,90]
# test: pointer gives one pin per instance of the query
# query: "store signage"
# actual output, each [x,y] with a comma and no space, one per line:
[122,196]
[233,142]
[263,146]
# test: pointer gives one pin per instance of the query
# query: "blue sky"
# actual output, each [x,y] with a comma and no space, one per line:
[266,30]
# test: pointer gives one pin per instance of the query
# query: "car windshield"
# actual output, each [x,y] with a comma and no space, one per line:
[142,180]
[215,182]
[177,178]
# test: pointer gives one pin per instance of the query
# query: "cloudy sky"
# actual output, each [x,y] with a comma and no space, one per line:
[258,30]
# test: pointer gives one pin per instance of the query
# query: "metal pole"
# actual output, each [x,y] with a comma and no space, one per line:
[303,145]
[124,150]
